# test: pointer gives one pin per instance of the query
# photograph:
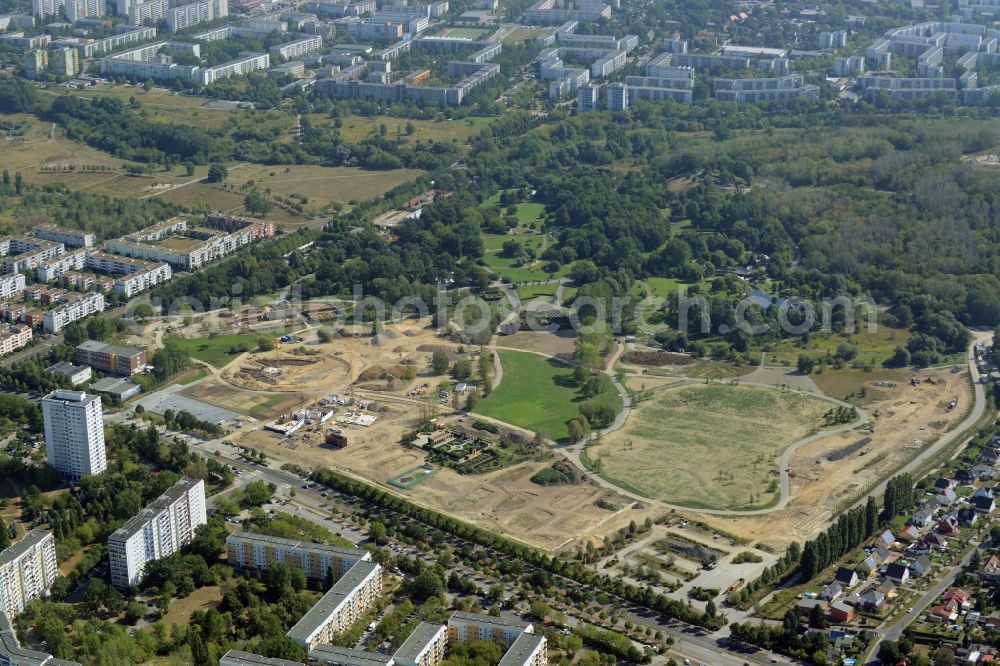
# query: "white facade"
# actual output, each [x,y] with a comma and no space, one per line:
[74,433]
[80,9]
[14,337]
[53,268]
[345,602]
[43,8]
[21,253]
[11,285]
[27,571]
[160,529]
[57,318]
[298,48]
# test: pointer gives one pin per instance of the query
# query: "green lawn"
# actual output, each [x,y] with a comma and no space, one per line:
[538,394]
[528,292]
[216,351]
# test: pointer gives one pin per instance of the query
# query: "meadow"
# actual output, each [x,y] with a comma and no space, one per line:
[538,394]
[710,445]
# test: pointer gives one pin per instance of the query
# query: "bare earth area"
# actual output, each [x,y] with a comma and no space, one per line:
[909,419]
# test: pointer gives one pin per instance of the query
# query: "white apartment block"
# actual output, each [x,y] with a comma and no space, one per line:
[27,571]
[160,529]
[74,433]
[137,275]
[298,48]
[424,647]
[84,305]
[345,602]
[193,13]
[81,9]
[247,63]
[229,235]
[22,253]
[43,8]
[11,285]
[334,655]
[526,650]
[53,268]
[150,11]
[68,237]
[13,337]
[240,658]
[470,627]
[247,550]
[12,654]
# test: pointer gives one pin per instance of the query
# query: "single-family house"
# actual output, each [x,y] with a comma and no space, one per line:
[919,547]
[885,539]
[945,612]
[871,563]
[848,578]
[985,505]
[964,477]
[922,516]
[831,591]
[897,572]
[983,472]
[985,491]
[888,588]
[882,553]
[989,456]
[991,569]
[805,606]
[920,566]
[946,497]
[937,541]
[967,517]
[943,484]
[841,612]
[948,525]
[957,595]
[871,599]
[909,533]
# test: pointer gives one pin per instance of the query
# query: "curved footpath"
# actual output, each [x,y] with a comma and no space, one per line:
[572,452]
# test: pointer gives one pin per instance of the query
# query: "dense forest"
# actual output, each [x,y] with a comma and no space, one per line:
[818,200]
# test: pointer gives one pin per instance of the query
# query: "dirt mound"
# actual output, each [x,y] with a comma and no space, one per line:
[376,372]
[657,359]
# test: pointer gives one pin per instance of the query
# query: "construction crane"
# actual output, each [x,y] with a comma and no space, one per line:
[350,365]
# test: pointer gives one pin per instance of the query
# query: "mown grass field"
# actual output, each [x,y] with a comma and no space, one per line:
[215,350]
[538,394]
[708,445]
[358,128]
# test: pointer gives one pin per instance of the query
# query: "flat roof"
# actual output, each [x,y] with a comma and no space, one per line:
[521,649]
[318,615]
[234,657]
[66,368]
[489,619]
[417,642]
[104,347]
[345,655]
[11,648]
[360,553]
[119,385]
[71,396]
[172,494]
[30,540]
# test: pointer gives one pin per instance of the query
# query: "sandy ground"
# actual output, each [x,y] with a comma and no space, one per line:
[907,415]
[553,517]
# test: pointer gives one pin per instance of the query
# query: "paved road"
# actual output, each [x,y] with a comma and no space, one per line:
[894,631]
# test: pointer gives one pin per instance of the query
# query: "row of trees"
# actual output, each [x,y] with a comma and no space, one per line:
[549,571]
